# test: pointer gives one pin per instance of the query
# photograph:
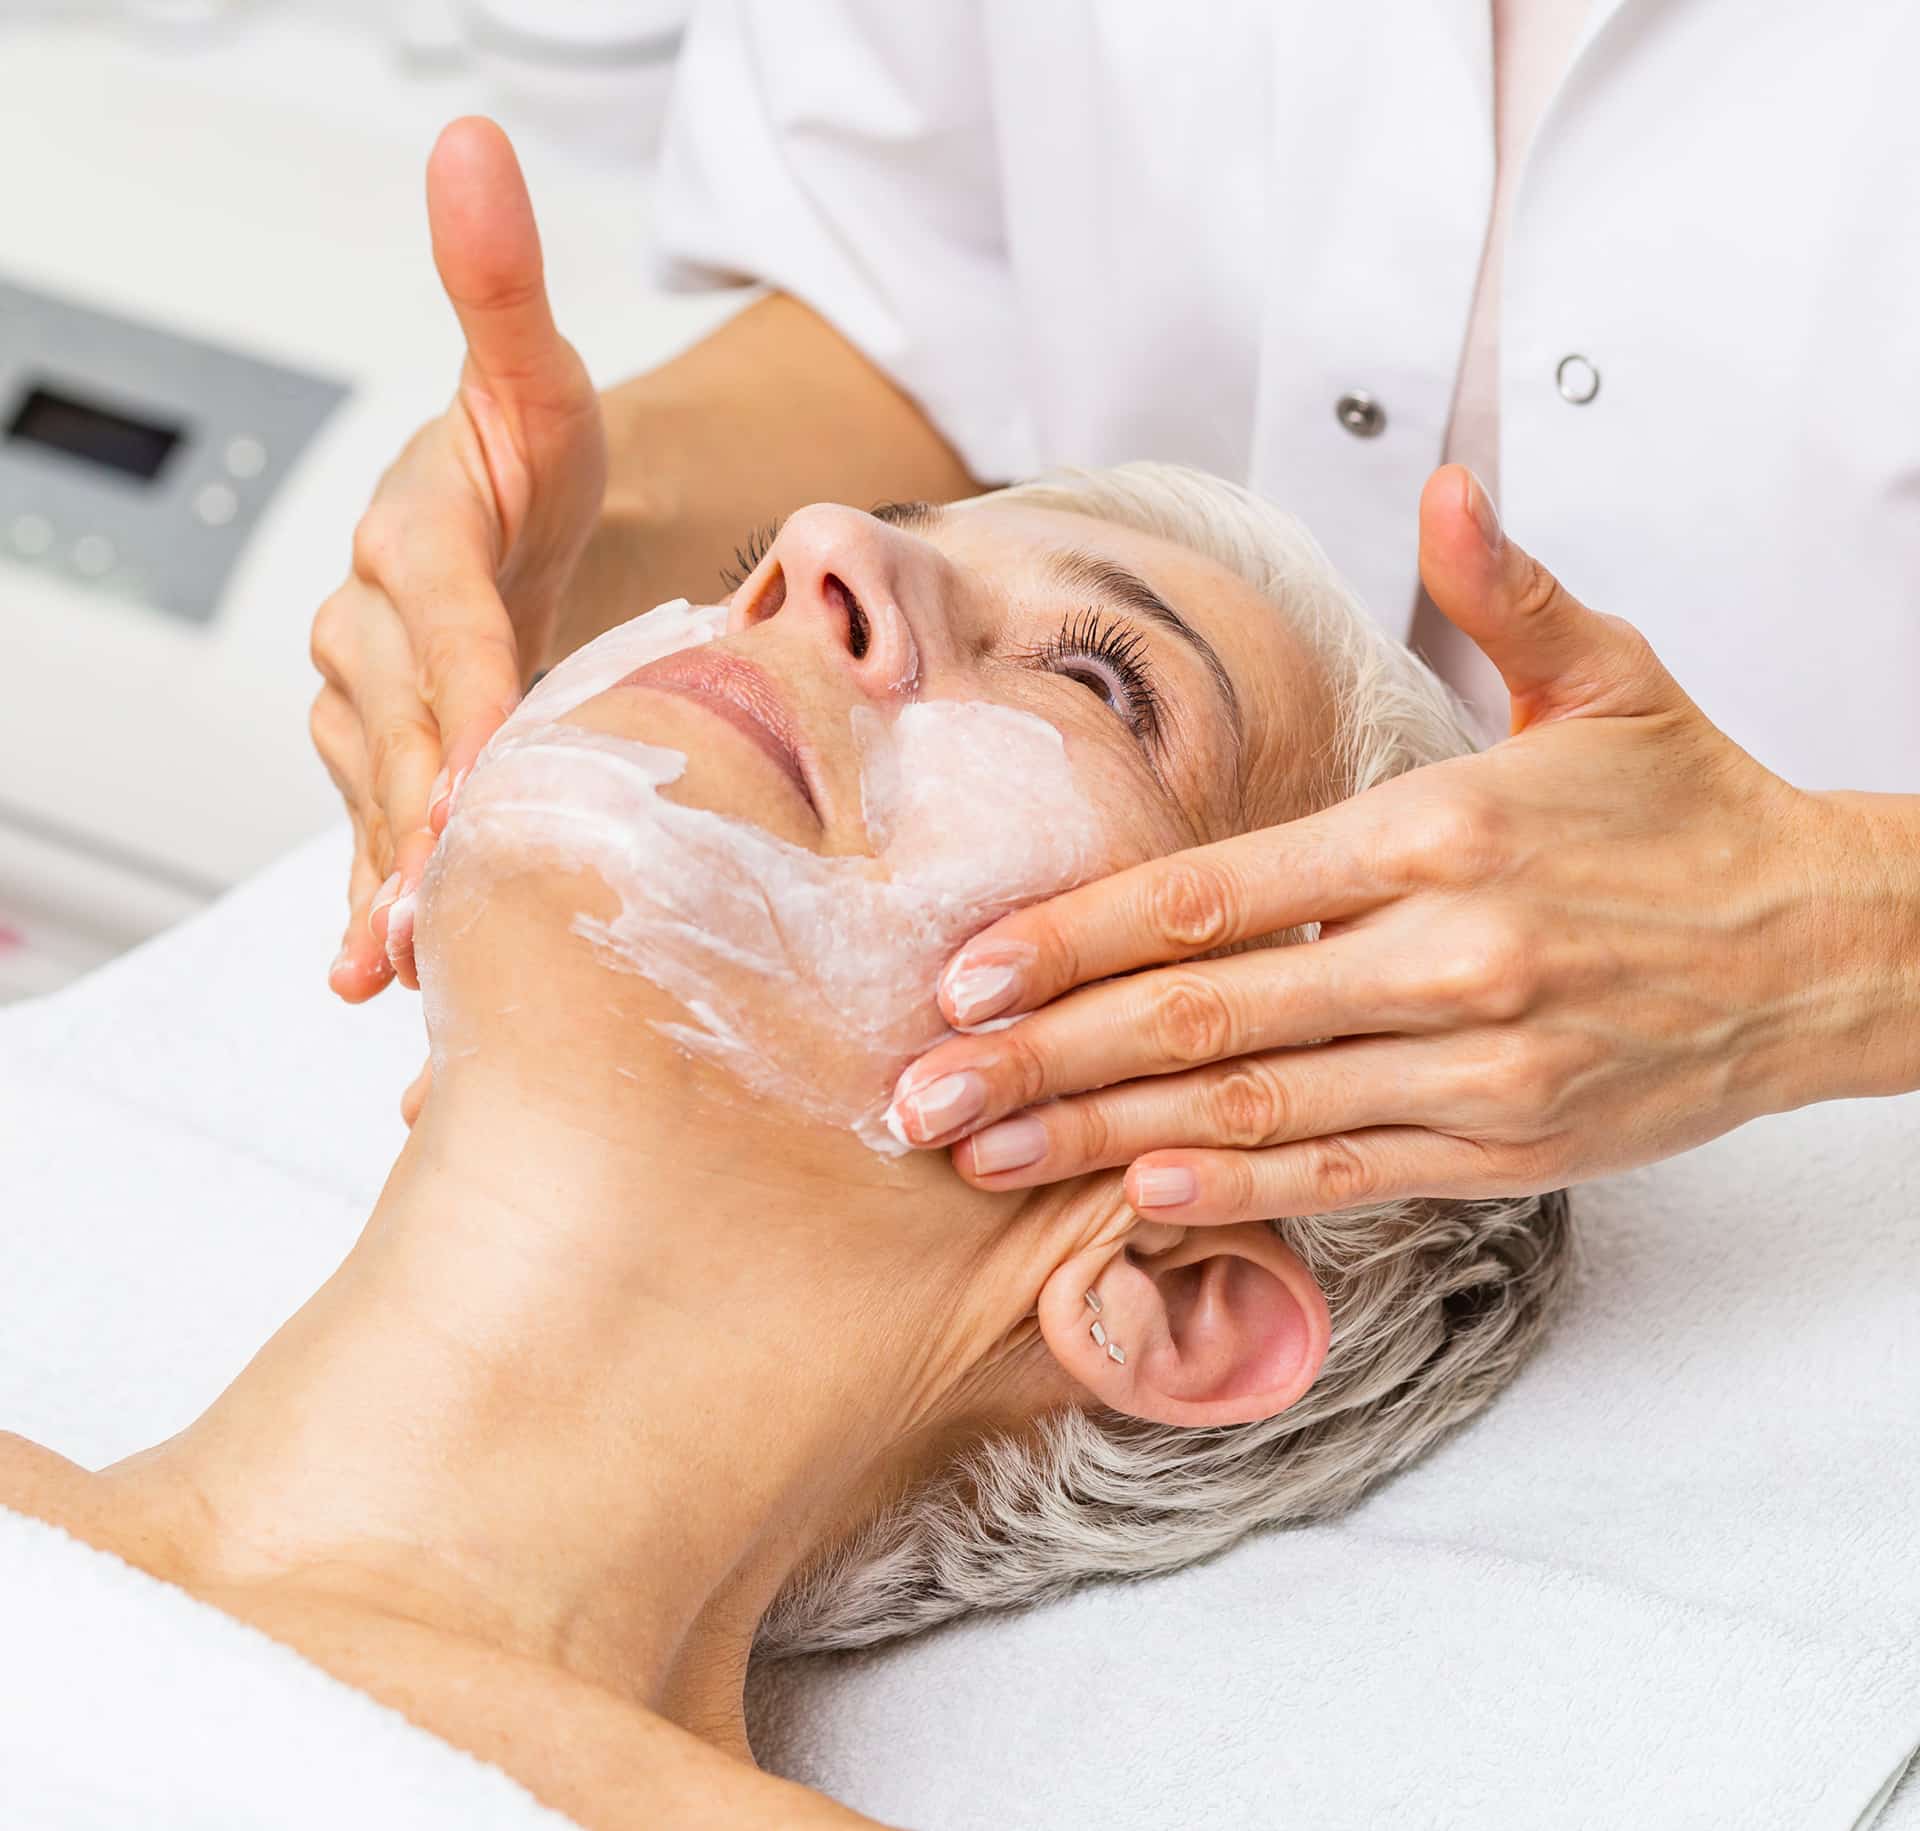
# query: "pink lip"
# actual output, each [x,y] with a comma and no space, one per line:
[735,690]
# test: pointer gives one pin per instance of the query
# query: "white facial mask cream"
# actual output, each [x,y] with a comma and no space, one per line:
[810,979]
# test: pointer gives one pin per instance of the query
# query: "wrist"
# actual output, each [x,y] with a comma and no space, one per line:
[1863,863]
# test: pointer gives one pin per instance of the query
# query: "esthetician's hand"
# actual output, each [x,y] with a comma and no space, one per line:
[460,563]
[1608,938]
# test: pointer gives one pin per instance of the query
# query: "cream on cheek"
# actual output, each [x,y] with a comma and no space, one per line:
[809,979]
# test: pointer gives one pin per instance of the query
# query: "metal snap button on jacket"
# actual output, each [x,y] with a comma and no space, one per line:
[1361,414]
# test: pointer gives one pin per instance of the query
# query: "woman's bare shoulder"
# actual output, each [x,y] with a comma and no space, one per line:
[604,1762]
[45,1485]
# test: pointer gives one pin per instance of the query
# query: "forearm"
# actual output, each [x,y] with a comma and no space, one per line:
[1868,919]
[773,410]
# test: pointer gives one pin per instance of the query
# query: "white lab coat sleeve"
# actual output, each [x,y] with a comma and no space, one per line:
[844,151]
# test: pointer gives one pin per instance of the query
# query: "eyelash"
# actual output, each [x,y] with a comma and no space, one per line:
[748,555]
[1088,636]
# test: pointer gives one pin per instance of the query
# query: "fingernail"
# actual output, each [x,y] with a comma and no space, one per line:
[339,960]
[382,897]
[1010,1145]
[400,928]
[441,789]
[1164,1188]
[1481,505]
[951,1100]
[453,793]
[981,988]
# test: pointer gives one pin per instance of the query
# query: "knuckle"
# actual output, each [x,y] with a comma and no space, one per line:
[377,543]
[1459,838]
[1191,906]
[1024,1074]
[1189,1021]
[1537,593]
[1234,1188]
[1248,1106]
[1093,1137]
[1492,977]
[1337,1173]
[329,645]
[393,746]
[1522,1081]
[329,724]
[453,652]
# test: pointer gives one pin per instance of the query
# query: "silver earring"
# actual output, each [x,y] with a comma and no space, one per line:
[1098,1330]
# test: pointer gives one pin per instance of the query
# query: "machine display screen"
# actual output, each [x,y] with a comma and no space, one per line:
[136,448]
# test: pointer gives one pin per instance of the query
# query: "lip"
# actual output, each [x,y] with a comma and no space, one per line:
[733,689]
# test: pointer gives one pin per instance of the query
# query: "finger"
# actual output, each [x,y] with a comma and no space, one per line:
[1329,866]
[400,732]
[1255,1101]
[361,968]
[393,925]
[1327,1174]
[486,246]
[461,756]
[1558,658]
[438,646]
[334,727]
[1158,1024]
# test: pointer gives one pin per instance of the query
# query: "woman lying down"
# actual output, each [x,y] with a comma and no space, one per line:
[658,1352]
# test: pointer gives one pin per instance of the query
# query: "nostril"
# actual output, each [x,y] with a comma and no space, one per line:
[859,631]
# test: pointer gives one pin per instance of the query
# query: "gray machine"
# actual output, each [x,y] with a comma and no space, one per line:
[134,460]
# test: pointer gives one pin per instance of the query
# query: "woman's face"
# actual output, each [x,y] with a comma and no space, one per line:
[1186,708]
[908,723]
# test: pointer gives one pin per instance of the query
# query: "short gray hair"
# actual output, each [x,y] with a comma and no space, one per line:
[1435,1303]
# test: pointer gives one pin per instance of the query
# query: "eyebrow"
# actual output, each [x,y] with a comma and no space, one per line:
[1126,591]
[919,515]
[1079,570]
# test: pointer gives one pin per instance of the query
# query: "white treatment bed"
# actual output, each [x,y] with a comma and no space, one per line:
[1670,1579]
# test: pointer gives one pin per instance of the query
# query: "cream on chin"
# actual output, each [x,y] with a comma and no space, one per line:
[810,979]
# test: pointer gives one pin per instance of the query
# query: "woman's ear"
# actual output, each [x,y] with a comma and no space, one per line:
[1223,1326]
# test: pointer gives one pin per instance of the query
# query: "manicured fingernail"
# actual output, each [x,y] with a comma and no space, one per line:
[1164,1188]
[1481,505]
[441,789]
[400,928]
[382,897]
[979,988]
[1010,1145]
[951,1100]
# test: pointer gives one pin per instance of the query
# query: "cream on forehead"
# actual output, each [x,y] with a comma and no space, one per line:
[810,979]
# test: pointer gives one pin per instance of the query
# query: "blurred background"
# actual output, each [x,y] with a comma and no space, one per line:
[219,320]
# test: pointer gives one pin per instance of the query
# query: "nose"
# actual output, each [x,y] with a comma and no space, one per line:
[847,575]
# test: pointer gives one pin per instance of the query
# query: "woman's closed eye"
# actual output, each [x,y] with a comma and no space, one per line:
[1112,661]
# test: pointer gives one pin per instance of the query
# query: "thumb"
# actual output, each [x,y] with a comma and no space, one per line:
[486,246]
[1558,658]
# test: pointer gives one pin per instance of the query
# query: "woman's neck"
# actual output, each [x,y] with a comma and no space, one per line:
[591,1399]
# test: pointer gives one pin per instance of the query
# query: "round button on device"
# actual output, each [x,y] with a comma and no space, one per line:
[246,458]
[93,556]
[216,505]
[1361,414]
[1577,379]
[31,535]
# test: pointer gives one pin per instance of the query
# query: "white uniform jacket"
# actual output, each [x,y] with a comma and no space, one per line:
[1083,231]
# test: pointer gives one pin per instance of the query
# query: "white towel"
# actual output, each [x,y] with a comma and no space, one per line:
[1668,1580]
[124,1702]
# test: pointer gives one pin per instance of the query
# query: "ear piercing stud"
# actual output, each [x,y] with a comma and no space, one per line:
[1098,1330]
